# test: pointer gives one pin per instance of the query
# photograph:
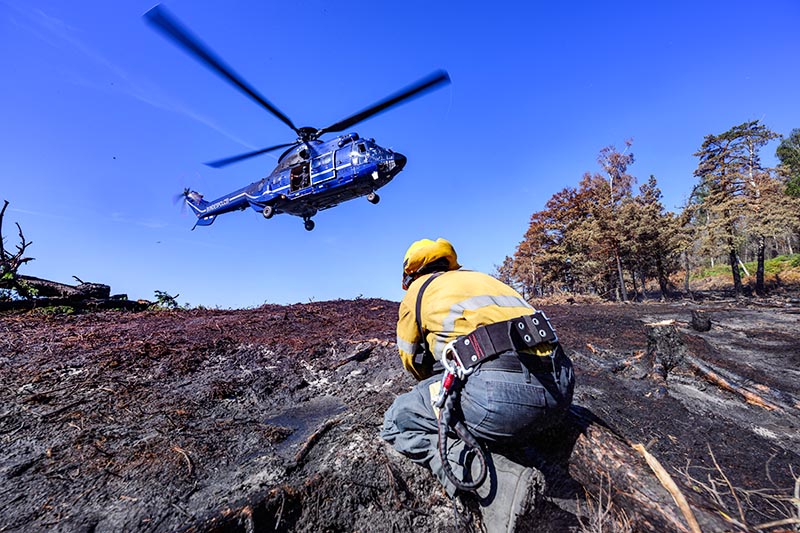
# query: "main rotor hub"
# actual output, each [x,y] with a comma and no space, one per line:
[306,133]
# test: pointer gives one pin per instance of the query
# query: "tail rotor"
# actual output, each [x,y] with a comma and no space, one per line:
[183,198]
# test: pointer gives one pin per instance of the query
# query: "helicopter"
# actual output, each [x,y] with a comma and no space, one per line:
[312,174]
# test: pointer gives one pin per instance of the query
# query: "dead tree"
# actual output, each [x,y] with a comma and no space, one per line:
[29,287]
[10,263]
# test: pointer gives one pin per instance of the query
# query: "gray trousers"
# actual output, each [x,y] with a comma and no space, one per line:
[497,406]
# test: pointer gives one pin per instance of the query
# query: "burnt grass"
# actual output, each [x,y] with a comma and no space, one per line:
[268,418]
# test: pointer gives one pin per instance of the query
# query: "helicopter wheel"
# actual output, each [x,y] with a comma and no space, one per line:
[268,211]
[309,224]
[373,198]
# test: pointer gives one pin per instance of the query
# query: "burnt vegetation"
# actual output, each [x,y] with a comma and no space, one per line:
[606,239]
[685,418]
[268,419]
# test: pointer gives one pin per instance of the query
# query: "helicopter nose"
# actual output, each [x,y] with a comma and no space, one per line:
[399,161]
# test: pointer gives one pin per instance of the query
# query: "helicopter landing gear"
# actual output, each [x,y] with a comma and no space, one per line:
[268,211]
[373,198]
[308,223]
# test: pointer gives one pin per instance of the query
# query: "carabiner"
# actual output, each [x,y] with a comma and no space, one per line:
[456,366]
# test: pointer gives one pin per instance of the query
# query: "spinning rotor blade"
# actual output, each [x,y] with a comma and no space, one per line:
[166,23]
[181,197]
[241,157]
[417,89]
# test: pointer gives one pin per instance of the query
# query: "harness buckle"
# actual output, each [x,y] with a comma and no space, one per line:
[455,365]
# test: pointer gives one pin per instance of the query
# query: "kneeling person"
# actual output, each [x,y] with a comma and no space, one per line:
[515,378]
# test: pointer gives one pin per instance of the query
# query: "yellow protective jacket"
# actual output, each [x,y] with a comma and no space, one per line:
[455,304]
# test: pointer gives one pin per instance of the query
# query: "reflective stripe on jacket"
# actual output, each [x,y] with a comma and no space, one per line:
[454,304]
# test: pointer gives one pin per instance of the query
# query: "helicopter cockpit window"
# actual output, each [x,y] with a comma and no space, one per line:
[322,162]
[360,153]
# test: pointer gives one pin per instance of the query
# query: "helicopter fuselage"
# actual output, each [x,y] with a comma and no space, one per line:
[310,177]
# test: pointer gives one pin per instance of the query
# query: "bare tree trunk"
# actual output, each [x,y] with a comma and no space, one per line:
[623,292]
[686,274]
[635,287]
[760,268]
[733,259]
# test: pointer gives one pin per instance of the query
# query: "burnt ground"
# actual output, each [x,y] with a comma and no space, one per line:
[268,419]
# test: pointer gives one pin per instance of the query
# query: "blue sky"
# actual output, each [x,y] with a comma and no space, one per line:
[104,121]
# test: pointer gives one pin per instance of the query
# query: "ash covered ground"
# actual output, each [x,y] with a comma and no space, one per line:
[268,418]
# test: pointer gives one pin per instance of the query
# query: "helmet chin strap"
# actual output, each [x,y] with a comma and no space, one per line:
[440,265]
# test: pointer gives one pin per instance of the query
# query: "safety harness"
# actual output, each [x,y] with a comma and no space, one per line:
[461,357]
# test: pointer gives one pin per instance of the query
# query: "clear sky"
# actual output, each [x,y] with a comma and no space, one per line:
[104,121]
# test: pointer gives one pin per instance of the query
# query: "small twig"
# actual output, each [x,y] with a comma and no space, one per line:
[777,523]
[730,486]
[392,483]
[797,495]
[62,409]
[184,513]
[280,511]
[312,440]
[668,483]
[12,431]
[185,455]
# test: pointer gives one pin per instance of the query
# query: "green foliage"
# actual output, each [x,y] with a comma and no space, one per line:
[54,310]
[771,266]
[166,301]
[788,153]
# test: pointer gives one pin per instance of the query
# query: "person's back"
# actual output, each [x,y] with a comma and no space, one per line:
[454,304]
[501,375]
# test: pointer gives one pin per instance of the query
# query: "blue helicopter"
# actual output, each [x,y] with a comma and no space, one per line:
[312,174]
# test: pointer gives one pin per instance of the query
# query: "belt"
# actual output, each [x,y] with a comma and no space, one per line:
[516,334]
[513,362]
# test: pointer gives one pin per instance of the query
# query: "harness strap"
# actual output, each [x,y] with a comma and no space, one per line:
[445,421]
[419,357]
[518,333]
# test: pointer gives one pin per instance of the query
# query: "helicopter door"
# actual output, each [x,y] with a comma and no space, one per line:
[299,177]
[322,168]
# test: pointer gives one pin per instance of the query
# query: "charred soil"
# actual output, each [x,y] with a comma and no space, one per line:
[268,418]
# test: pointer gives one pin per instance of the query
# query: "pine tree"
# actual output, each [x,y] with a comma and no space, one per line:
[728,169]
[788,153]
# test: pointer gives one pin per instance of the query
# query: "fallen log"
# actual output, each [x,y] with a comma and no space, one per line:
[93,304]
[714,375]
[54,289]
[600,456]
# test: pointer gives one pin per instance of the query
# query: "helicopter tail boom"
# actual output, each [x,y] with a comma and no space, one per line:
[204,221]
[200,208]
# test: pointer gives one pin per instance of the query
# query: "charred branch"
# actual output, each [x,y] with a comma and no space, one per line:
[9,264]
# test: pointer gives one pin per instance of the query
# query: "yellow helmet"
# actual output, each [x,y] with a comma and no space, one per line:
[424,253]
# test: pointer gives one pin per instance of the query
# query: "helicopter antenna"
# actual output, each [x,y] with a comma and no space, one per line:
[162,20]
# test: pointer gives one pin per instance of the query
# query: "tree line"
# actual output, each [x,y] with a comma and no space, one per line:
[610,238]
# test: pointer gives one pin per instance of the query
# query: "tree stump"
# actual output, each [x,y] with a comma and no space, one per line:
[666,348]
[700,321]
